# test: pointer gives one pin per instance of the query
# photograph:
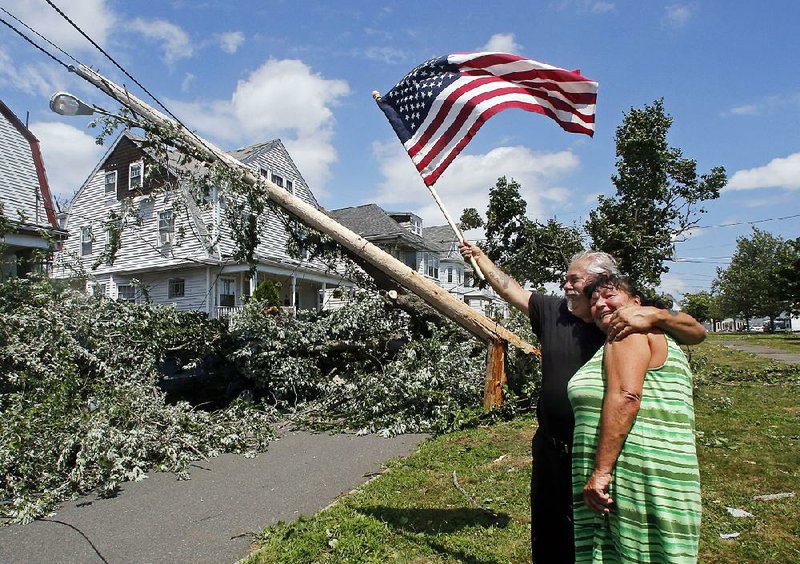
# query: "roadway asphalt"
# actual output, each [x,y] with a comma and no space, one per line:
[209,518]
[766,352]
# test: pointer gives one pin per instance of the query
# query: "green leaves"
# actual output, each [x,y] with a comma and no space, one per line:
[658,196]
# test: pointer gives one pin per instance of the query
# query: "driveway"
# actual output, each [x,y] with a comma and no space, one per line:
[211,517]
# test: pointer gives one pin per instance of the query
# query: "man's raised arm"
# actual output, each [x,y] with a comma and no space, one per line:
[507,288]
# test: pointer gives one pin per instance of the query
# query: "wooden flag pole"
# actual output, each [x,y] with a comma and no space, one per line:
[478,272]
[457,231]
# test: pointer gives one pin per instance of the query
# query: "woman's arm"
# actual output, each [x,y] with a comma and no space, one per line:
[640,319]
[626,363]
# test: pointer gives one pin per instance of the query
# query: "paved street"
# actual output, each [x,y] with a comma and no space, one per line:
[766,352]
[209,518]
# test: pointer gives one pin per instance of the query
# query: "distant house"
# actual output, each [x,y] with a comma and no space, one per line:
[457,276]
[28,223]
[180,252]
[431,251]
[397,233]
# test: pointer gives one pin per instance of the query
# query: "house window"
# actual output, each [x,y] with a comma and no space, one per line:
[450,274]
[177,287]
[431,265]
[86,241]
[135,172]
[289,186]
[227,292]
[111,182]
[126,293]
[278,180]
[416,225]
[166,227]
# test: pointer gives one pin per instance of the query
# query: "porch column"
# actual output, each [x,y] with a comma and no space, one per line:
[294,291]
[322,296]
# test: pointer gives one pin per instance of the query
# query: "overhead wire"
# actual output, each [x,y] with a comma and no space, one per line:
[36,45]
[126,73]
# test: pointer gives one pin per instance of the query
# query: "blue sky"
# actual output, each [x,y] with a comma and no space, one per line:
[244,72]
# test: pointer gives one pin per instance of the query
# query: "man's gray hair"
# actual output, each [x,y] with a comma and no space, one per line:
[598,263]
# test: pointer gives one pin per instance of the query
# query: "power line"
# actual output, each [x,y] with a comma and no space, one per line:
[139,84]
[29,40]
[749,222]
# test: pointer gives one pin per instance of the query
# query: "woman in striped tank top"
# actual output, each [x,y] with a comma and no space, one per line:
[635,477]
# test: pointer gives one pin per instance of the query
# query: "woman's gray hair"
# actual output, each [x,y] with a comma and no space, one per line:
[598,263]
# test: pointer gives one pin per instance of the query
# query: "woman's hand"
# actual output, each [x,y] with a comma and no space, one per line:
[595,492]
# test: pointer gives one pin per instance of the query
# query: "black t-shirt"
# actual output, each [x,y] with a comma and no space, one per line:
[567,343]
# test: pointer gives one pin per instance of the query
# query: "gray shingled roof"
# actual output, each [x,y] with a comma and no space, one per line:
[375,224]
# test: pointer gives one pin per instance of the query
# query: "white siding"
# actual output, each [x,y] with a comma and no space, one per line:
[19,183]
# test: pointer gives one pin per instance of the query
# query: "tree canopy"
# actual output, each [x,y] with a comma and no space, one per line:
[658,196]
[530,251]
[752,285]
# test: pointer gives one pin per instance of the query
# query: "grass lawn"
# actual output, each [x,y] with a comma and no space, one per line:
[748,422]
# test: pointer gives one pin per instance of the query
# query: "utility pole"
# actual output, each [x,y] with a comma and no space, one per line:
[496,336]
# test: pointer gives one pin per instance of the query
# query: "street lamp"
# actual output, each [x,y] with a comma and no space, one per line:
[65,104]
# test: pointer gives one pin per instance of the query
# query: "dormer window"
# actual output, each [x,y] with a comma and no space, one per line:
[111,182]
[135,174]
[416,225]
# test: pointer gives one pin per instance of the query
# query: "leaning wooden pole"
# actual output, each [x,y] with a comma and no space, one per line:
[477,324]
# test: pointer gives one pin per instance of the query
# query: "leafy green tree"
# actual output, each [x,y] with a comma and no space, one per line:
[751,285]
[527,250]
[789,273]
[657,199]
[699,305]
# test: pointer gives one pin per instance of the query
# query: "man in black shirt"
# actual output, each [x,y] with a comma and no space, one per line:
[568,339]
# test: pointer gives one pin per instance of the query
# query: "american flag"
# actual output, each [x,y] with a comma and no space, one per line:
[437,108]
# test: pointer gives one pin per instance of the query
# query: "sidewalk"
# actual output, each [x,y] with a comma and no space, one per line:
[209,518]
[767,352]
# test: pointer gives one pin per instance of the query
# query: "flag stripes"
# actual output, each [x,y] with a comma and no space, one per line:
[441,104]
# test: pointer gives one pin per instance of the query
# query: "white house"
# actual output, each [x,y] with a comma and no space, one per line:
[457,276]
[27,216]
[176,248]
[431,251]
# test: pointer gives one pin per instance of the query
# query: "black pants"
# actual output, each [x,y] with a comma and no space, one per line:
[552,539]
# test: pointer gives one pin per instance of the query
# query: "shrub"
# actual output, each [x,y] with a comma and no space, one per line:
[79,401]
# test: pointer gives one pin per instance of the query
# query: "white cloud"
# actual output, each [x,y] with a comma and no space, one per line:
[282,98]
[746,109]
[94,17]
[69,154]
[230,41]
[175,42]
[40,79]
[503,43]
[585,6]
[187,82]
[778,173]
[678,15]
[674,285]
[388,55]
[467,181]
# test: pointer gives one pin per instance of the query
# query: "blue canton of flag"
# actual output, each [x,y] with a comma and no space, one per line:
[407,104]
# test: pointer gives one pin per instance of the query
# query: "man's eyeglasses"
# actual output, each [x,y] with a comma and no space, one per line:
[572,279]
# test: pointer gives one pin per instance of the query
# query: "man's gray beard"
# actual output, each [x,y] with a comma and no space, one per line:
[570,302]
